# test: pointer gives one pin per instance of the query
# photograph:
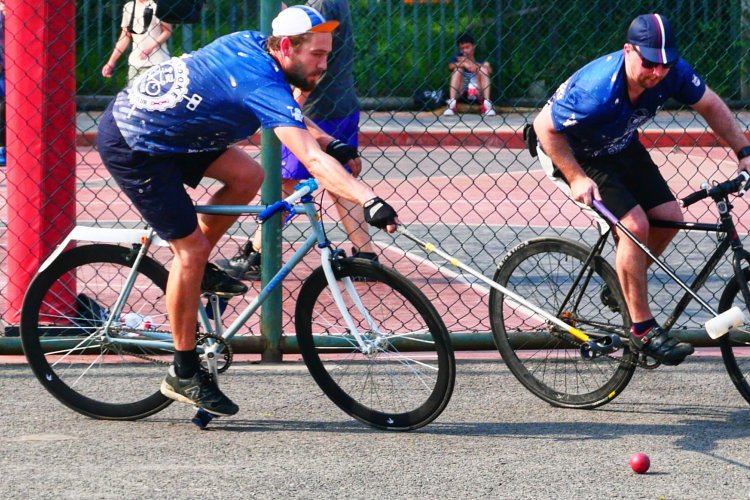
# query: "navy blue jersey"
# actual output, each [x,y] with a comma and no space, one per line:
[207,100]
[592,107]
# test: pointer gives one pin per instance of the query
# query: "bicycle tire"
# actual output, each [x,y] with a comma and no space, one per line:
[62,316]
[738,366]
[544,359]
[407,382]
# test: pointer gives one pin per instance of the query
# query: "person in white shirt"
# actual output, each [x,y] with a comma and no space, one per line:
[148,34]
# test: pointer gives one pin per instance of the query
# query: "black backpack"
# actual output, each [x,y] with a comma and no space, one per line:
[179,11]
[428,100]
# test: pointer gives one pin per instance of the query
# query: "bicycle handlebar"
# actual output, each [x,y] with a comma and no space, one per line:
[717,191]
[286,205]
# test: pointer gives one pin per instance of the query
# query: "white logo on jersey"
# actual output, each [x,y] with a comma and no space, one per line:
[572,120]
[162,87]
[696,80]
[296,113]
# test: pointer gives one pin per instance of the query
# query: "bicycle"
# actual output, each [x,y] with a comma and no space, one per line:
[569,368]
[371,340]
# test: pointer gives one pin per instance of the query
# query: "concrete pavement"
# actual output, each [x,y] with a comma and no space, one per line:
[495,440]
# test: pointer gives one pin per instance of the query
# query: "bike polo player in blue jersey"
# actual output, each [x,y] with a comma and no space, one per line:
[589,146]
[178,122]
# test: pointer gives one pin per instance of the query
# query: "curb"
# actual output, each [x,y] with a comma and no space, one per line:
[495,139]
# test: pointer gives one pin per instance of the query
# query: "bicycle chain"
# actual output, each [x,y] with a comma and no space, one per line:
[141,355]
[228,353]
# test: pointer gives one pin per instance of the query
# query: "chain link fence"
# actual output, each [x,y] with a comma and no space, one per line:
[464,182]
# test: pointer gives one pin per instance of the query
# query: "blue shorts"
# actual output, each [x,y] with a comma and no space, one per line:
[154,183]
[344,129]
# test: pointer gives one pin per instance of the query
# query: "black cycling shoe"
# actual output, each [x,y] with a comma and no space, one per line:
[220,283]
[199,390]
[660,346]
[252,267]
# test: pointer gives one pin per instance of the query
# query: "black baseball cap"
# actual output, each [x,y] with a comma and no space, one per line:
[654,38]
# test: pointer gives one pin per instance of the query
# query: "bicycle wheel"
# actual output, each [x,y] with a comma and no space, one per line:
[545,359]
[62,319]
[404,378]
[735,345]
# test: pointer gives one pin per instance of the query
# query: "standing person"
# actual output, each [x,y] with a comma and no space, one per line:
[3,159]
[470,77]
[179,121]
[589,146]
[333,106]
[148,34]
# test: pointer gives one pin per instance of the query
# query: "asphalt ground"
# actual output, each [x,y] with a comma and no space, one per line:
[494,440]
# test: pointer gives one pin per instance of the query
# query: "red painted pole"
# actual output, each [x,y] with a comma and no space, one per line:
[40,116]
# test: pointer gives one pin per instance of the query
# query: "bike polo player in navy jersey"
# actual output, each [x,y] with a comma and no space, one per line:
[178,122]
[589,145]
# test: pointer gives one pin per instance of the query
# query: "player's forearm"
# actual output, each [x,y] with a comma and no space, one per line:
[719,117]
[332,176]
[318,134]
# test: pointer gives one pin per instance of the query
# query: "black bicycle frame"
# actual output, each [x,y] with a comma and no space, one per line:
[731,239]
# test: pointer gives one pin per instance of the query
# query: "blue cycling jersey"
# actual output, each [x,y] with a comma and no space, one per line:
[207,100]
[592,107]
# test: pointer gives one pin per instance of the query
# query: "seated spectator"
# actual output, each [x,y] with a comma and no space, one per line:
[470,78]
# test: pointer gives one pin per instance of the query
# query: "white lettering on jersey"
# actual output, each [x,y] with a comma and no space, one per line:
[193,102]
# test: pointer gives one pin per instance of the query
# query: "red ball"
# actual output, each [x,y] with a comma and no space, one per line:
[639,462]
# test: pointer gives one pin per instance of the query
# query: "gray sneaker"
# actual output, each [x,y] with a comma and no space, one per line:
[245,265]
[198,390]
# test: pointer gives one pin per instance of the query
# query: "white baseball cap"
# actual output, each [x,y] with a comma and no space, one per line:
[301,19]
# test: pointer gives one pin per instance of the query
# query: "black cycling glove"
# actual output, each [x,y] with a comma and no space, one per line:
[342,151]
[380,214]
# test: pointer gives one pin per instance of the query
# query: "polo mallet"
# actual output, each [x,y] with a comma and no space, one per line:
[590,347]
[717,326]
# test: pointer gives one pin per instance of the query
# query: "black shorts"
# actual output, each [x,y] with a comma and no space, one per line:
[153,182]
[628,179]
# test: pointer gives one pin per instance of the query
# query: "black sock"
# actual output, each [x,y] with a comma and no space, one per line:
[642,328]
[186,363]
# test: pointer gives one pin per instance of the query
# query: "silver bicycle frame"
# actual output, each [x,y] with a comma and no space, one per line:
[147,238]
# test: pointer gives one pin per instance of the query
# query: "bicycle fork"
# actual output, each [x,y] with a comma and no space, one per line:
[367,346]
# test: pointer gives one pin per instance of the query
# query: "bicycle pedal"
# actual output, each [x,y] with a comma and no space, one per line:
[599,347]
[202,418]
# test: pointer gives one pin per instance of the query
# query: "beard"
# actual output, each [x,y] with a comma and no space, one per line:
[297,77]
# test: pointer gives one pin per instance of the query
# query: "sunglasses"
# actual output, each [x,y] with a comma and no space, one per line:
[650,64]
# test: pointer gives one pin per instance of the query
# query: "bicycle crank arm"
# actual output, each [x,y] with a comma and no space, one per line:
[600,347]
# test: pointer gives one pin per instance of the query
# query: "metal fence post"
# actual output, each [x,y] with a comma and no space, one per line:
[270,323]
